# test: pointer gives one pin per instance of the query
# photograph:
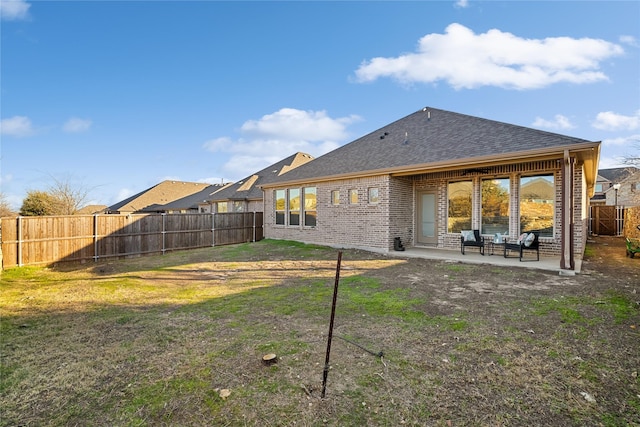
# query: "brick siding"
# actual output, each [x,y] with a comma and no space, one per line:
[374,226]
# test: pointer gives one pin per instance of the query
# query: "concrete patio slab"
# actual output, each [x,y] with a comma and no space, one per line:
[474,257]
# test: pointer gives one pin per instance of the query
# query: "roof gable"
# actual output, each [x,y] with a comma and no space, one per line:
[160,194]
[427,138]
[249,187]
[189,202]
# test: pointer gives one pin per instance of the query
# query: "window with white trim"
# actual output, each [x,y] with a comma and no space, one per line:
[296,207]
[374,195]
[459,196]
[537,204]
[310,203]
[335,197]
[353,197]
[495,205]
[281,206]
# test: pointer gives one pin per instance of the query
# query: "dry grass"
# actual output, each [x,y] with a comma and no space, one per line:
[153,341]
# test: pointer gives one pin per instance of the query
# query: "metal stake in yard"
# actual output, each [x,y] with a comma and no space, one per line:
[333,314]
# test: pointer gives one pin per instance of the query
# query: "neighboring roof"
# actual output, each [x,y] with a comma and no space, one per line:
[160,194]
[91,209]
[249,187]
[190,202]
[432,139]
[539,188]
[617,174]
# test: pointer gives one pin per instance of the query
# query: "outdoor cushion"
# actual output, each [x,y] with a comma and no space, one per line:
[529,239]
[522,237]
[468,235]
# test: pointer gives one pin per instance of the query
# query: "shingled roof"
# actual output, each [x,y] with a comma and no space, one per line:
[249,187]
[190,202]
[617,174]
[160,194]
[432,139]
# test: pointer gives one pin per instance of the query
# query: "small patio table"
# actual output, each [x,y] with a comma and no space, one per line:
[493,244]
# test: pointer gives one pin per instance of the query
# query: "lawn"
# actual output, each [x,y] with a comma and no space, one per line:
[178,340]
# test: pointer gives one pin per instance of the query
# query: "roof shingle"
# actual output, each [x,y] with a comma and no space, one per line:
[428,136]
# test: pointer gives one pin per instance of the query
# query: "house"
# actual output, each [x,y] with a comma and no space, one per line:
[430,175]
[91,210]
[188,204]
[246,194]
[160,194]
[617,187]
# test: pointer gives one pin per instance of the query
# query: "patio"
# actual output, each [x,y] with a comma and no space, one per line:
[473,257]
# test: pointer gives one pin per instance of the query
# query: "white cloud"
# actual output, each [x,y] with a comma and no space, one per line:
[292,124]
[462,4]
[559,122]
[611,162]
[629,40]
[76,125]
[275,136]
[14,10]
[608,120]
[19,126]
[623,141]
[464,59]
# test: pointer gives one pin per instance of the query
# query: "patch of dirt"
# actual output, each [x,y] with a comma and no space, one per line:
[154,340]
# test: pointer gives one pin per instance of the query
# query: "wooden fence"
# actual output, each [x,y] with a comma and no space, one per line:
[607,220]
[47,240]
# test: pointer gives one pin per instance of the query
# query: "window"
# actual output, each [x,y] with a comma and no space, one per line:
[294,206]
[459,214]
[599,188]
[335,197]
[353,197]
[373,195]
[221,207]
[280,206]
[238,206]
[537,196]
[310,201]
[495,206]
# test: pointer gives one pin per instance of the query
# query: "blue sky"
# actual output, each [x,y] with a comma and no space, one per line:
[115,97]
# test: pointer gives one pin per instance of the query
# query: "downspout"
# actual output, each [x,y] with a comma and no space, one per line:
[567,261]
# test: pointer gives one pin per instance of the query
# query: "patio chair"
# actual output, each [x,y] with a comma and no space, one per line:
[526,242]
[471,238]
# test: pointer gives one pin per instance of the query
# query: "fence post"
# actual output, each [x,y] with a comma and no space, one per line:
[19,224]
[254,226]
[164,233]
[213,228]
[95,238]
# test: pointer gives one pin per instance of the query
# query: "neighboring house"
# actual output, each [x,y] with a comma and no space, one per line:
[434,173]
[188,204]
[91,210]
[627,181]
[160,194]
[246,194]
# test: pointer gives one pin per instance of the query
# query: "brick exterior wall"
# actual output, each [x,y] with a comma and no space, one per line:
[360,225]
[374,226]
